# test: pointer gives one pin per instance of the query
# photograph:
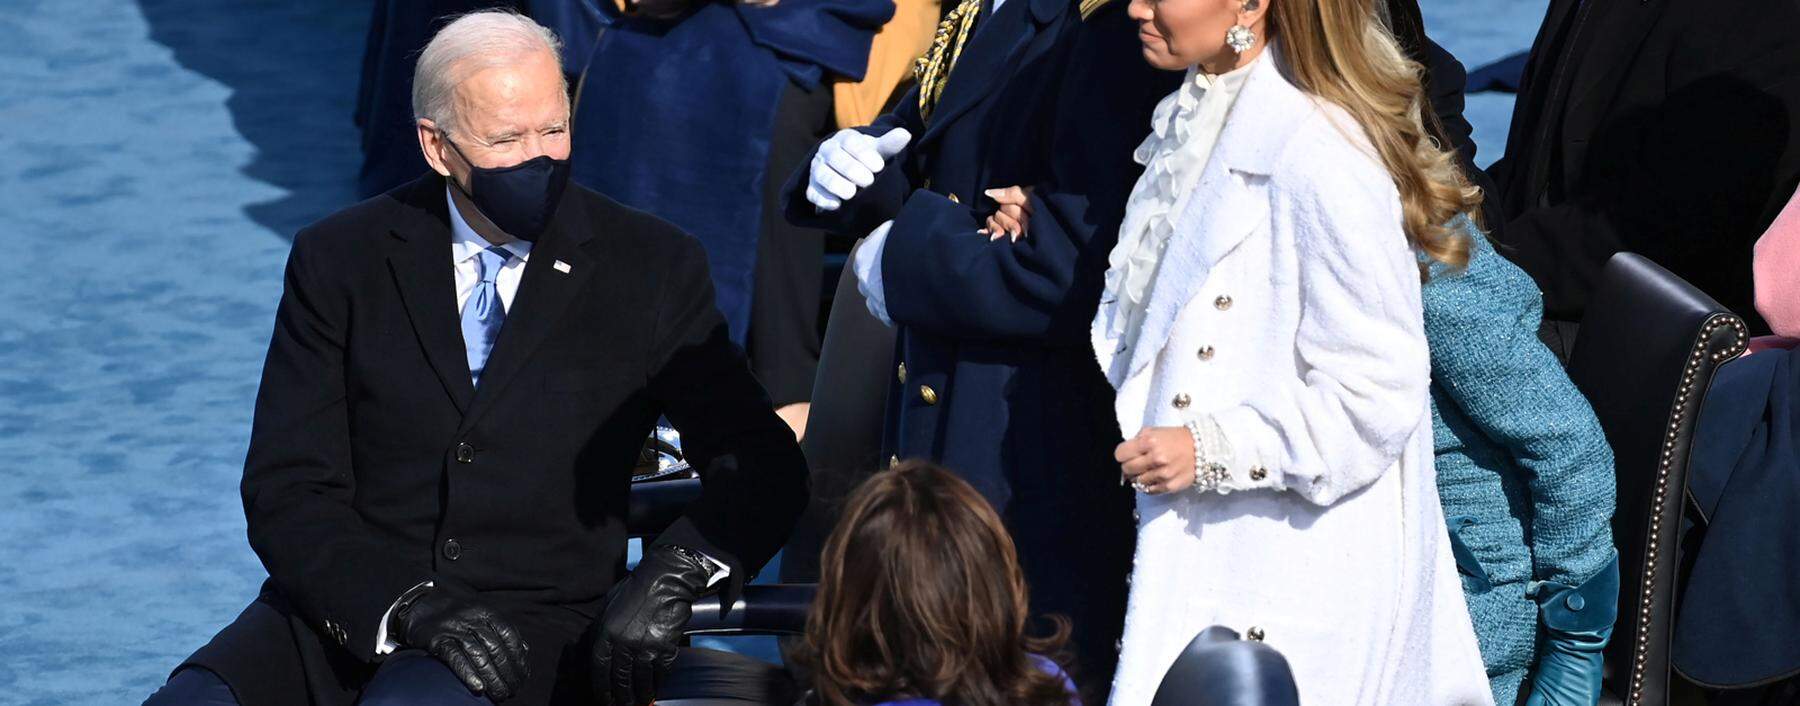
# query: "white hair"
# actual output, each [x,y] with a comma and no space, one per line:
[475,41]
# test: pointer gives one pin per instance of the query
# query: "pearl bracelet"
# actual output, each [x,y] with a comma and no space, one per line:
[1208,473]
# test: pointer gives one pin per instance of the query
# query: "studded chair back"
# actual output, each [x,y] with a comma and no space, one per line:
[1645,355]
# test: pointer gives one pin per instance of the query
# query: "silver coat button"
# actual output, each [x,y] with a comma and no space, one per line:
[1182,401]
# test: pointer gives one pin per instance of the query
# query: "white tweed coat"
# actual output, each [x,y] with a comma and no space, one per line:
[1287,309]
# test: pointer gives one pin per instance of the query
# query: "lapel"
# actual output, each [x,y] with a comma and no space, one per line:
[419,258]
[1613,34]
[545,292]
[987,58]
[1229,202]
[1543,59]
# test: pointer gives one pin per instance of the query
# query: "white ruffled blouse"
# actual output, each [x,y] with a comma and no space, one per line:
[1184,129]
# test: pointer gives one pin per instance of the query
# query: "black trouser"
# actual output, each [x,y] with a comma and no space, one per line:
[783,340]
[405,679]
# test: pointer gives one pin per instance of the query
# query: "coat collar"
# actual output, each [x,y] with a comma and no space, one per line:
[1613,36]
[1228,204]
[998,39]
[420,259]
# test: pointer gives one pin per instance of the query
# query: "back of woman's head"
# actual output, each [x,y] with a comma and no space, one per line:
[1341,51]
[921,596]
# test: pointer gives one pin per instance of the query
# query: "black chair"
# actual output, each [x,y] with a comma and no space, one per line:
[703,677]
[1218,669]
[1645,355]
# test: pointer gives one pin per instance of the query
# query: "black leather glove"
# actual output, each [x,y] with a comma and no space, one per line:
[479,645]
[641,628]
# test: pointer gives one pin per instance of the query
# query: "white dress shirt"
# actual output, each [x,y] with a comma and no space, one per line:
[1183,132]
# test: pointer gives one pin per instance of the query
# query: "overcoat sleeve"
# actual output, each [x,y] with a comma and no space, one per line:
[298,480]
[1364,380]
[1485,355]
[943,277]
[753,476]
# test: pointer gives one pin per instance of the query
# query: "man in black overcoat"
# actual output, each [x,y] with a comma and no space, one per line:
[1669,128]
[461,375]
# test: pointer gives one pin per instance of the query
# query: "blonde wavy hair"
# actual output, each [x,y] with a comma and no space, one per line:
[1342,52]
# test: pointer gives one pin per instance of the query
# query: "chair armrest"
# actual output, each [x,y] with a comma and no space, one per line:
[655,505]
[761,609]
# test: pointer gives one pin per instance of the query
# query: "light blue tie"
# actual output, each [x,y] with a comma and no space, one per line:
[484,312]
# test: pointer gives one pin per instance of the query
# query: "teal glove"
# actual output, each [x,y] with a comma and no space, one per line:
[1578,621]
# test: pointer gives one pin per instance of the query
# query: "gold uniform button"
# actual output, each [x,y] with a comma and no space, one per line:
[927,394]
[1206,352]
[1223,302]
[953,199]
[893,462]
[901,372]
[1255,634]
[1182,401]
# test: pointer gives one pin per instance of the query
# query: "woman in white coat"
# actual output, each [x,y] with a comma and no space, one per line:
[1262,326]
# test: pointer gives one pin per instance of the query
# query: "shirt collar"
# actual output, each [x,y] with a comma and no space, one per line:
[466,244]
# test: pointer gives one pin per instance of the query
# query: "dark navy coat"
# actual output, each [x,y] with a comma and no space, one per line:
[1739,623]
[993,375]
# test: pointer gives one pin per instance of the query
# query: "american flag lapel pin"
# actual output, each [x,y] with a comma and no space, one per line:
[562,267]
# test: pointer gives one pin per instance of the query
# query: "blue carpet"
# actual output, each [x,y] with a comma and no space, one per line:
[158,155]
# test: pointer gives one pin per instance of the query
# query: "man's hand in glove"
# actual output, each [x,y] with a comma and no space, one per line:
[642,625]
[479,645]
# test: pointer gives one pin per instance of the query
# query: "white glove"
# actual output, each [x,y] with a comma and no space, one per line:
[848,161]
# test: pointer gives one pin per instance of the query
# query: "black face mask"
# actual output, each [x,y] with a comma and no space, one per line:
[519,199]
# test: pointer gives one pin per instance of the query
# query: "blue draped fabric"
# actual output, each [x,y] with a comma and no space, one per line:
[575,22]
[398,31]
[675,117]
[1739,623]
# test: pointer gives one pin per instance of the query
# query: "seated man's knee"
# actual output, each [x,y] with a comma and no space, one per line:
[417,679]
[193,686]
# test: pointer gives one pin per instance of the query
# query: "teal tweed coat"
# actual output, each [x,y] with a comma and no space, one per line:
[1523,467]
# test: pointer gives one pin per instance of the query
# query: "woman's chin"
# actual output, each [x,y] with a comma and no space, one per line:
[1162,60]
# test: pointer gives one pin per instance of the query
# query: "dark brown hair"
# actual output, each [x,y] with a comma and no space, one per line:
[921,597]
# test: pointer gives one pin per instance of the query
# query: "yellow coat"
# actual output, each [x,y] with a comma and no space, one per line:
[891,57]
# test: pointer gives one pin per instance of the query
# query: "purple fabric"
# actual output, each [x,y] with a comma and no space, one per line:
[1044,663]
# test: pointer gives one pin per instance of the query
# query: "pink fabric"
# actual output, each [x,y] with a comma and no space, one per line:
[1772,343]
[1776,272]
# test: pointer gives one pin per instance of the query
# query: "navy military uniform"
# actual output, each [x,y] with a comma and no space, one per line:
[993,376]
